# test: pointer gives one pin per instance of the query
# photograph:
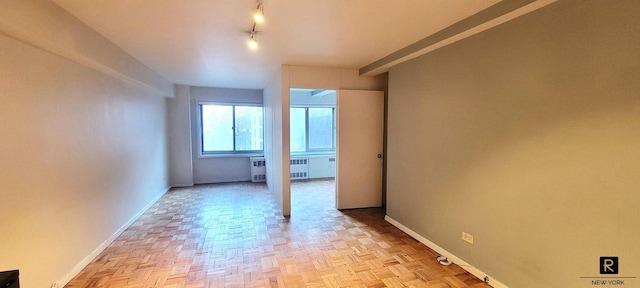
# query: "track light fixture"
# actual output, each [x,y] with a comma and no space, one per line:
[253,41]
[258,17]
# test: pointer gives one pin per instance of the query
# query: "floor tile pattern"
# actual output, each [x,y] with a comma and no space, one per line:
[232,235]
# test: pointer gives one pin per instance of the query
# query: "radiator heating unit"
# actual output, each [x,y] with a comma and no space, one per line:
[258,169]
[299,168]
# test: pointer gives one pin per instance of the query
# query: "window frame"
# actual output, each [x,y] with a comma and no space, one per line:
[307,132]
[204,153]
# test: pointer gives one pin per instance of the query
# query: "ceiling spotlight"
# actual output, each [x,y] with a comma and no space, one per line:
[258,15]
[253,41]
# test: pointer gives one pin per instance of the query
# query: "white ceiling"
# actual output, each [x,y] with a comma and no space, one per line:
[203,42]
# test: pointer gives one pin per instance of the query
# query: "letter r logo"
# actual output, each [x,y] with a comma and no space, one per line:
[609,265]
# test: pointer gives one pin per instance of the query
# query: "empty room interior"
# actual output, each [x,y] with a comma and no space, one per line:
[360,143]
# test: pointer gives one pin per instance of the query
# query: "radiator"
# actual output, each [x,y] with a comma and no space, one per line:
[299,168]
[258,169]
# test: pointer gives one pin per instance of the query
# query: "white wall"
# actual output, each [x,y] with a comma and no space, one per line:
[81,153]
[321,166]
[179,137]
[525,136]
[83,147]
[273,148]
[218,168]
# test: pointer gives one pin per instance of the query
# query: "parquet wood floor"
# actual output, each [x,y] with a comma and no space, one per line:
[232,235]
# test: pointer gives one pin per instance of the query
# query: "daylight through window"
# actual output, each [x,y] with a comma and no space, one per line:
[231,128]
[312,129]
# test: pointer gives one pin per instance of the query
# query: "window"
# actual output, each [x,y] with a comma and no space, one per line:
[231,128]
[298,129]
[321,125]
[312,129]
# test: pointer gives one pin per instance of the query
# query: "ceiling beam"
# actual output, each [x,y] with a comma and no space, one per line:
[495,15]
[45,25]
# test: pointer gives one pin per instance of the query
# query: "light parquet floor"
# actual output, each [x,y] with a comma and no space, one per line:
[232,235]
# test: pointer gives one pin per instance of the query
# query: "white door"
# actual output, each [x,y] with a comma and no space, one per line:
[360,126]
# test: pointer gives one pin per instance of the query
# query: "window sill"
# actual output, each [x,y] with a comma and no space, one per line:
[230,155]
[313,154]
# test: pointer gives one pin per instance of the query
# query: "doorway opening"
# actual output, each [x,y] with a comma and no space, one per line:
[313,150]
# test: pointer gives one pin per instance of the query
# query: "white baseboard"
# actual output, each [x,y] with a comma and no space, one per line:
[464,265]
[78,268]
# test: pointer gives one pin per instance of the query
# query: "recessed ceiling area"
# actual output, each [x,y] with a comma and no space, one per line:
[203,43]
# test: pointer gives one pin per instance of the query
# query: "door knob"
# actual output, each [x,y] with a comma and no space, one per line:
[379,155]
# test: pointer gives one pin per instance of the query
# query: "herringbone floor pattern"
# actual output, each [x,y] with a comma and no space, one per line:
[232,235]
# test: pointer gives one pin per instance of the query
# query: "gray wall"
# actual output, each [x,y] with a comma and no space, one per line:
[215,169]
[527,137]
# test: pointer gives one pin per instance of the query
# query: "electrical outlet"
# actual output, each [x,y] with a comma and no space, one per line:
[467,237]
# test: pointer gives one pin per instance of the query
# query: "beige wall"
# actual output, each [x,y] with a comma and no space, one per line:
[83,141]
[331,78]
[525,136]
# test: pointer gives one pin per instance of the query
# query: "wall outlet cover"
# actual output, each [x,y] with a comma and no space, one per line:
[467,237]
